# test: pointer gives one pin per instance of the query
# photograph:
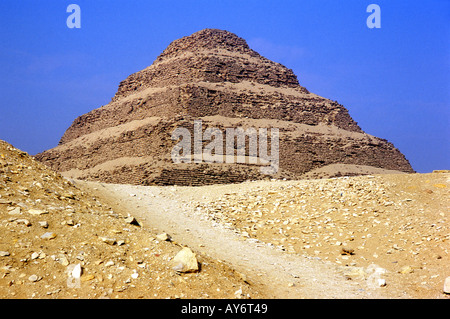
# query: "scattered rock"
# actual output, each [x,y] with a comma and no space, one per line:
[131,220]
[63,260]
[15,211]
[67,196]
[34,278]
[108,240]
[406,270]
[185,261]
[31,267]
[347,251]
[70,222]
[75,270]
[88,277]
[447,285]
[37,212]
[381,282]
[24,221]
[48,235]
[163,237]
[43,224]
[239,294]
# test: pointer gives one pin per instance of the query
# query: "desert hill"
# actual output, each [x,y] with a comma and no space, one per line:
[50,228]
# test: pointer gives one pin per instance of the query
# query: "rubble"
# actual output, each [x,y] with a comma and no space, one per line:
[50,225]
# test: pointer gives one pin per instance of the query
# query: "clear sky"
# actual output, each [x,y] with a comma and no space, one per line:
[395,80]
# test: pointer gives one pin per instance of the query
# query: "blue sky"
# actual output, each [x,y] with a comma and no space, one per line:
[395,81]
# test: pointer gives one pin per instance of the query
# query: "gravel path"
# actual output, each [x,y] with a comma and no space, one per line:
[281,275]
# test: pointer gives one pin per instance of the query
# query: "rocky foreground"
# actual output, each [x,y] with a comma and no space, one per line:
[390,230]
[350,237]
[347,237]
[59,242]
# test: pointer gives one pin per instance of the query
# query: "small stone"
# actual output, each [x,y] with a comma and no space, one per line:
[67,196]
[43,224]
[107,240]
[38,185]
[131,220]
[347,251]
[163,237]
[37,212]
[33,278]
[88,277]
[447,285]
[238,293]
[381,282]
[63,260]
[70,222]
[4,253]
[24,221]
[406,270]
[80,256]
[48,235]
[35,255]
[185,261]
[76,271]
[15,211]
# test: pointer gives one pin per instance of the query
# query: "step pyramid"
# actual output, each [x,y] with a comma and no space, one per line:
[212,81]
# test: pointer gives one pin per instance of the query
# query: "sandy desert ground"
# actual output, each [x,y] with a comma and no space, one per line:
[376,236]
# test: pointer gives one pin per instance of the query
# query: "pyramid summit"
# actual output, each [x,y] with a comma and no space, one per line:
[209,55]
[213,76]
[208,39]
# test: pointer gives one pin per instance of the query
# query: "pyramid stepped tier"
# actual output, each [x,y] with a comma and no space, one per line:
[214,76]
[210,56]
[237,100]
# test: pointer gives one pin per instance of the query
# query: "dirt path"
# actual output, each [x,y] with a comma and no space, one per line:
[280,275]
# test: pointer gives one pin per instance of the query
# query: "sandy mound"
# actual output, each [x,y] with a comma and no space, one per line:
[59,242]
[398,224]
